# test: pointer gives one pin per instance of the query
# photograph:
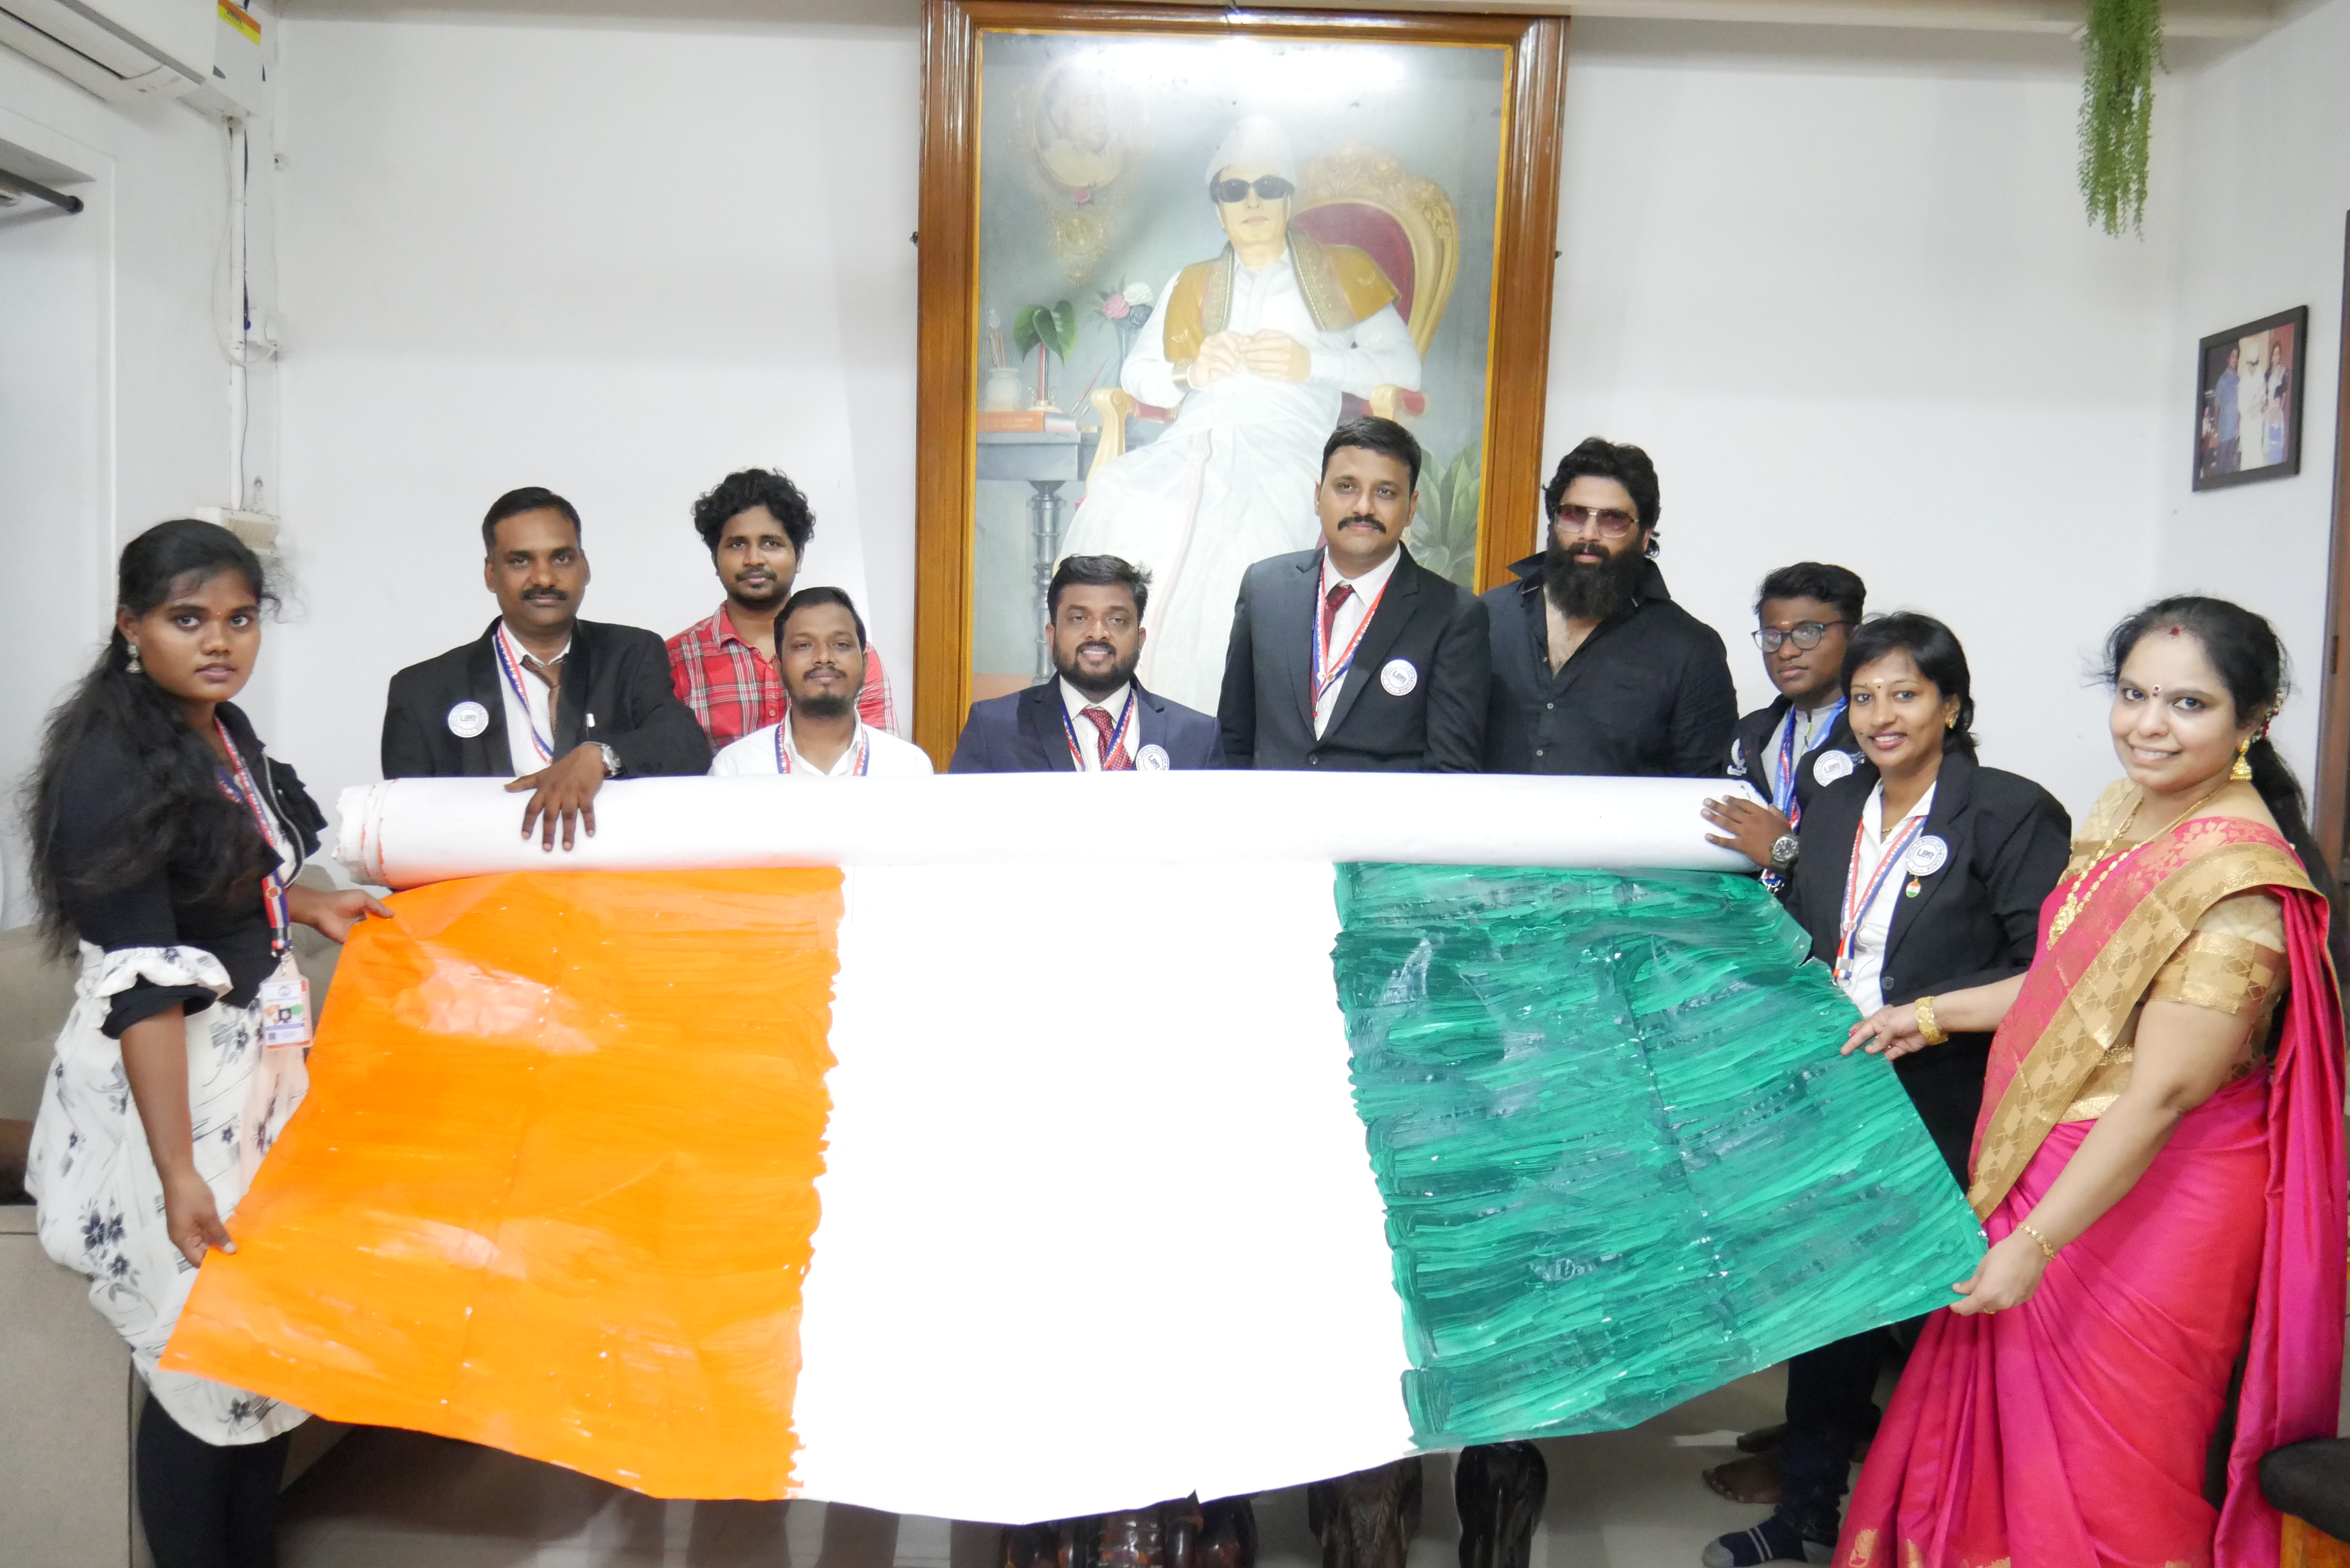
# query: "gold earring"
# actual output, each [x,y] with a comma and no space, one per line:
[2243,772]
[1951,723]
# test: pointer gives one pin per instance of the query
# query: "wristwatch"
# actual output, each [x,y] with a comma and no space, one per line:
[612,761]
[1783,852]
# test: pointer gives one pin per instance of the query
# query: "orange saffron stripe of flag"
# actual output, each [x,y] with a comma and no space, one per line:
[554,1187]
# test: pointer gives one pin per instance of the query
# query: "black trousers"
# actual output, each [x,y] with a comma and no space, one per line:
[207,1506]
[1831,1395]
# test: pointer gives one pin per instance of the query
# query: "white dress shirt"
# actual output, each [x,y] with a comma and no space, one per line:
[1811,727]
[1091,757]
[1349,618]
[532,706]
[754,753]
[1863,977]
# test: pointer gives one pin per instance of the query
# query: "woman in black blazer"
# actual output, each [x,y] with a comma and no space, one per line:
[1922,871]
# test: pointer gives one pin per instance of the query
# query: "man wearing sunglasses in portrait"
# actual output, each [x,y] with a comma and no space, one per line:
[1256,351]
[1595,668]
[1800,743]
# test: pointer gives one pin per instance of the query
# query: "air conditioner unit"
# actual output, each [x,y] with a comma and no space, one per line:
[122,50]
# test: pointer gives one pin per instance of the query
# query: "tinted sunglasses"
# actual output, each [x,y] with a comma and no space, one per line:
[1268,187]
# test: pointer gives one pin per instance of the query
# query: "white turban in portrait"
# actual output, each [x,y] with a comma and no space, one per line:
[1255,142]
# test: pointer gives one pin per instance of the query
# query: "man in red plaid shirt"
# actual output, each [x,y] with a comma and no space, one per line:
[757,525]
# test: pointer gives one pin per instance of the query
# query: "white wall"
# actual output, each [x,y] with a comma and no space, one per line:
[2263,144]
[616,260]
[1839,283]
[113,385]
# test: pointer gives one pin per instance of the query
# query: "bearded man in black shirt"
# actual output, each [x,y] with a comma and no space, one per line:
[1595,668]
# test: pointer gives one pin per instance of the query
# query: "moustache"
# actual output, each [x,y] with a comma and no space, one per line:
[1363,517]
[1106,649]
[544,597]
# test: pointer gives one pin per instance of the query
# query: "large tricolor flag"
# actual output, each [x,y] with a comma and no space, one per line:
[1019,1148]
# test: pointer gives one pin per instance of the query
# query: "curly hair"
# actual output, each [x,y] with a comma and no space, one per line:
[738,493]
[185,822]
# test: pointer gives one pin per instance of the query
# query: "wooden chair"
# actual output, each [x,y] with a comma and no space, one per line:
[1352,195]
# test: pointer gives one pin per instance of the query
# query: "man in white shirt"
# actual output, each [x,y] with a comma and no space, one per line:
[820,643]
[1256,349]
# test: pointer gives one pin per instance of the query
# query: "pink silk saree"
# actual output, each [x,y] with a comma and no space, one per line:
[2071,1432]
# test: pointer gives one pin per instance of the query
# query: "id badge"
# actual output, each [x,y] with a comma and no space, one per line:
[284,1008]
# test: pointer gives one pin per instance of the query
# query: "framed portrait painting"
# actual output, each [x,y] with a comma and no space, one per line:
[2248,402]
[1166,250]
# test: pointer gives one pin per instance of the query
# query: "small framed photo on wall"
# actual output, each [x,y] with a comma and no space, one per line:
[2248,382]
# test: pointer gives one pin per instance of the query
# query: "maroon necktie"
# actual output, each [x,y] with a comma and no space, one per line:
[1116,761]
[1330,603]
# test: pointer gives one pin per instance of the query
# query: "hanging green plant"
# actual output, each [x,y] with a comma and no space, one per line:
[2119,50]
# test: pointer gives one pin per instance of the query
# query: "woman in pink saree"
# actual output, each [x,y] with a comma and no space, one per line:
[2157,1164]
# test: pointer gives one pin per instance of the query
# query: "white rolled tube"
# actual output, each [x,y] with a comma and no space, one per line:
[408,832]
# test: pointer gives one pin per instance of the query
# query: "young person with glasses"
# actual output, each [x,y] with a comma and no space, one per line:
[1800,742]
[1595,668]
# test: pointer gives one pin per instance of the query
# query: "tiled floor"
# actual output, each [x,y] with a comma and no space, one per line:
[397,1499]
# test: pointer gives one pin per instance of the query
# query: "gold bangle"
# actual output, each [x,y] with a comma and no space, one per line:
[2047,1250]
[1931,1031]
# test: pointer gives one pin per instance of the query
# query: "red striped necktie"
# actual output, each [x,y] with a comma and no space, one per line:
[1117,761]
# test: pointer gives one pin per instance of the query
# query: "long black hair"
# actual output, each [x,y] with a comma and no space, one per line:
[1934,648]
[182,821]
[2244,648]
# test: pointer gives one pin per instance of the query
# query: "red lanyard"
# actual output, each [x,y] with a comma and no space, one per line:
[1854,913]
[1117,736]
[784,756]
[1326,674]
[546,749]
[236,783]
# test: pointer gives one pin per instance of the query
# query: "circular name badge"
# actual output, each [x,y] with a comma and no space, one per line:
[1151,759]
[468,718]
[1830,766]
[1399,677]
[1928,855]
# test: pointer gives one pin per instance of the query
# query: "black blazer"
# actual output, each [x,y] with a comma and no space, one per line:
[1973,922]
[1758,733]
[1435,626]
[616,689]
[1022,733]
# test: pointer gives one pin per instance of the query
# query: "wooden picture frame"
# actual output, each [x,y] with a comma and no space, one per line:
[1517,296]
[2261,408]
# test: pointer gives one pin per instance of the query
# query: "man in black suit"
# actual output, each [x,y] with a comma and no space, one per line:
[1595,668]
[1800,743]
[1095,717]
[563,703]
[1353,656]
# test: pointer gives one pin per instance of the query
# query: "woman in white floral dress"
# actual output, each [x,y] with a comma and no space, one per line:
[165,846]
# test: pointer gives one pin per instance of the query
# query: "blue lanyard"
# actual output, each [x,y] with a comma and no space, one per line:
[1856,913]
[864,749]
[1782,787]
[546,749]
[1117,735]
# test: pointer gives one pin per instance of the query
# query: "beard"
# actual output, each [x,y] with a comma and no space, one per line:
[1119,672]
[825,705]
[1592,590]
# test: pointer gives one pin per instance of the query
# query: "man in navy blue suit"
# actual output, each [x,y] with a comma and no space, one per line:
[1095,717]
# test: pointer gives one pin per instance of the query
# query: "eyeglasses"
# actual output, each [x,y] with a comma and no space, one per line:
[1806,634]
[1268,187]
[1614,522]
